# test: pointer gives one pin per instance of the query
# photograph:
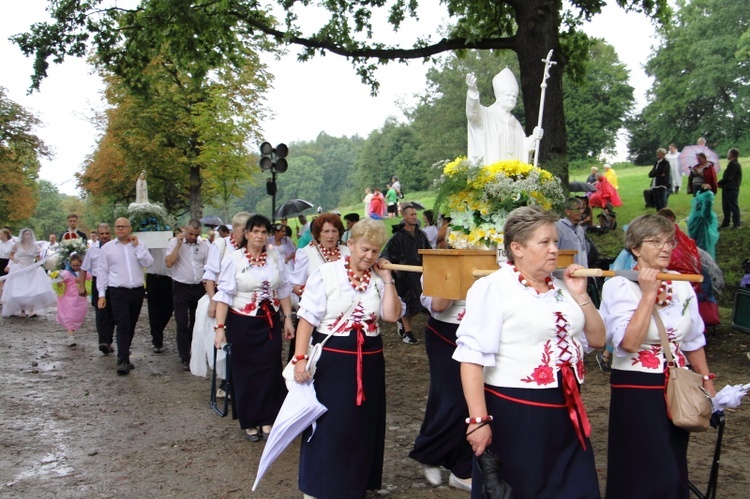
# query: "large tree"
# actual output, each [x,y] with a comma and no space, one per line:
[211,32]
[701,74]
[20,152]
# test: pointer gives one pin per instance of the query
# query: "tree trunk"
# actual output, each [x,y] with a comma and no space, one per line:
[538,25]
[196,200]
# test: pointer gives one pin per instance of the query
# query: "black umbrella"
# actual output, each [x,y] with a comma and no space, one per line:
[414,204]
[494,487]
[292,208]
[211,221]
[576,186]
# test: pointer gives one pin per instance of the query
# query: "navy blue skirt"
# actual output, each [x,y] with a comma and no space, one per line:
[646,454]
[344,459]
[257,384]
[539,451]
[442,438]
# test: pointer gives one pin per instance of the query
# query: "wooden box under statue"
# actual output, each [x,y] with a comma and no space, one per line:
[449,273]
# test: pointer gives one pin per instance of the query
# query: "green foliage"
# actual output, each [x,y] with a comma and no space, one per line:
[49,214]
[701,79]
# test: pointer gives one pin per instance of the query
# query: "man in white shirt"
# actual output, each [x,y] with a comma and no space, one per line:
[120,281]
[187,254]
[105,323]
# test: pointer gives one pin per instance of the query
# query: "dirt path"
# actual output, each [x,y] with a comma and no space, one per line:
[70,427]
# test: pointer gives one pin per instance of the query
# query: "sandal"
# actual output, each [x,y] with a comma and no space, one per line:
[253,437]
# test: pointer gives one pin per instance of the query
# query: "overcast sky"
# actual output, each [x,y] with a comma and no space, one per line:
[324,94]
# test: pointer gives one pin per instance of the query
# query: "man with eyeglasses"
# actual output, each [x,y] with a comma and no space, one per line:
[571,234]
[105,322]
[120,283]
[187,254]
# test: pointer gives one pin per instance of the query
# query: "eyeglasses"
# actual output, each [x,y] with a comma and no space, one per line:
[660,244]
[122,226]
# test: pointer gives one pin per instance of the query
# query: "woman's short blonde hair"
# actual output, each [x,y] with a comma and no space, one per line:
[645,227]
[372,231]
[522,222]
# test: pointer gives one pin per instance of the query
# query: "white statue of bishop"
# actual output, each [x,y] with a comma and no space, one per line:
[494,133]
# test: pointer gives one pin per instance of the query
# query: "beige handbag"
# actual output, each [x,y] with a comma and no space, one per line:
[688,404]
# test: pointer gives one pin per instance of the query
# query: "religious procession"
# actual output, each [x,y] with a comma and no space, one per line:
[509,322]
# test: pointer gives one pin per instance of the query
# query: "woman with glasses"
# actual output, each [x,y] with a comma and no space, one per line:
[647,454]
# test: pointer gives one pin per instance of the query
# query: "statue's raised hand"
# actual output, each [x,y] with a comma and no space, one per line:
[471,82]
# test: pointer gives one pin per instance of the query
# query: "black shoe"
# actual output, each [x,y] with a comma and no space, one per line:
[104,348]
[158,349]
[400,328]
[130,366]
[605,363]
[409,339]
[254,437]
[186,365]
[123,368]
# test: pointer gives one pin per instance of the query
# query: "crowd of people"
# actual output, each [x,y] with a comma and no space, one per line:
[506,363]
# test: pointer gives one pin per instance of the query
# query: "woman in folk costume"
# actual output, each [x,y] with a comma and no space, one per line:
[27,290]
[647,454]
[252,288]
[326,231]
[521,345]
[344,457]
[442,438]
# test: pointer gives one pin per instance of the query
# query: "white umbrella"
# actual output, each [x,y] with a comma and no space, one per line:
[300,409]
[730,397]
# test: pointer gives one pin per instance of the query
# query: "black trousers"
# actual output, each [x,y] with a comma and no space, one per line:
[159,299]
[661,194]
[126,307]
[730,206]
[185,298]
[105,322]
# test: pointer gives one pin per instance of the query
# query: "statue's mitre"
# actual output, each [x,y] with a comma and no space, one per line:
[504,81]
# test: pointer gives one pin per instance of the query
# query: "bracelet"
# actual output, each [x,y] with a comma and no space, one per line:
[389,282]
[584,303]
[478,420]
[708,377]
[218,326]
[297,358]
[475,429]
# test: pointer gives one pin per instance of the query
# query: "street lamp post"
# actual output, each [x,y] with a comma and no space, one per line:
[273,159]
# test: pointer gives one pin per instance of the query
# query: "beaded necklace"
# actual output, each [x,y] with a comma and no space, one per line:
[364,281]
[522,279]
[233,242]
[330,255]
[666,288]
[257,262]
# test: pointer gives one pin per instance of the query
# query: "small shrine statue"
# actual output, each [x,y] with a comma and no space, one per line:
[494,133]
[141,189]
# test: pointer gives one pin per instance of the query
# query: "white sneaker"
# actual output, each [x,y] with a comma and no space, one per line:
[432,474]
[220,394]
[459,483]
[71,341]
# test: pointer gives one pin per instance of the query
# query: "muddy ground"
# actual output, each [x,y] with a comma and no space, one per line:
[70,427]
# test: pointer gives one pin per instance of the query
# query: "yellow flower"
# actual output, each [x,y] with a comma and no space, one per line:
[455,166]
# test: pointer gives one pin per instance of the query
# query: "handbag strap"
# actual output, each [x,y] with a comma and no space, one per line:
[663,337]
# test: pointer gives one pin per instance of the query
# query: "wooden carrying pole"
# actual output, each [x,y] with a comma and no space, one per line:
[629,274]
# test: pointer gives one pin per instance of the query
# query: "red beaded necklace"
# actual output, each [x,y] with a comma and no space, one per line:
[233,242]
[522,279]
[330,255]
[364,281]
[257,262]
[666,288]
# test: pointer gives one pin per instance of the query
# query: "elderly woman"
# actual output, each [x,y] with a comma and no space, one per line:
[441,440]
[638,412]
[521,345]
[702,176]
[252,287]
[27,290]
[326,232]
[344,458]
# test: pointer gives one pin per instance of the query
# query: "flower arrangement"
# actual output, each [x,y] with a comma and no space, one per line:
[67,248]
[148,217]
[479,198]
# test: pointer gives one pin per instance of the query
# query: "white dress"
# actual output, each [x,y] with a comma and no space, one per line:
[30,290]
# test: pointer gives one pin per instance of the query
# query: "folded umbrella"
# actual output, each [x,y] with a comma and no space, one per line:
[300,409]
[493,487]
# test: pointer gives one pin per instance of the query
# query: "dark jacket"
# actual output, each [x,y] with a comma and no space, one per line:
[732,178]
[660,173]
[403,248]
